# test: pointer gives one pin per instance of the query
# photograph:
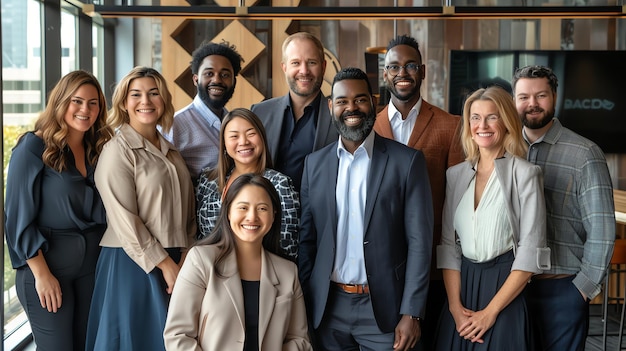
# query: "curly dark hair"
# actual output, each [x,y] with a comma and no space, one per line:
[208,48]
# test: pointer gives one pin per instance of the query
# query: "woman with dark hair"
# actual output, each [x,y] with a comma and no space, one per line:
[53,212]
[148,196]
[488,252]
[234,288]
[243,149]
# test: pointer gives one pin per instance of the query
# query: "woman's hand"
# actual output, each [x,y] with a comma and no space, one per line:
[477,324]
[170,270]
[47,286]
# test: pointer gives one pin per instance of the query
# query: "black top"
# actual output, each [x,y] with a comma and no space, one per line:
[251,307]
[38,196]
[296,141]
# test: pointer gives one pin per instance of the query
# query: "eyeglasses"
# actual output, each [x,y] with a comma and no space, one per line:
[410,68]
[476,119]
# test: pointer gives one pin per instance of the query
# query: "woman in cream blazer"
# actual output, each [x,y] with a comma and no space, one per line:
[234,292]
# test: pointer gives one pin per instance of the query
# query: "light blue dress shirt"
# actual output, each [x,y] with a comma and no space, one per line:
[351,196]
[196,135]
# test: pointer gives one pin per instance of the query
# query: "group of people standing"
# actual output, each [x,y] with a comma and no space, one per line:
[307,222]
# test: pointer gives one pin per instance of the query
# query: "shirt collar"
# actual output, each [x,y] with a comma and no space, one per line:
[392,111]
[137,141]
[367,146]
[205,111]
[551,136]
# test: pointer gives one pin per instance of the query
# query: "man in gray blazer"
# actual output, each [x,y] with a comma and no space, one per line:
[299,122]
[366,230]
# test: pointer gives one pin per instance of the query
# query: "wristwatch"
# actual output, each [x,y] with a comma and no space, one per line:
[415,318]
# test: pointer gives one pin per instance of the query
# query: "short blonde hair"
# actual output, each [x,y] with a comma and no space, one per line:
[513,142]
[118,114]
[304,36]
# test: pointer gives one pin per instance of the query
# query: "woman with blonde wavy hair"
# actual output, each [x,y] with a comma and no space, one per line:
[54,215]
[148,196]
[488,252]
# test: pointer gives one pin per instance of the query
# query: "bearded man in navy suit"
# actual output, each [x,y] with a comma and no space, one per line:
[366,230]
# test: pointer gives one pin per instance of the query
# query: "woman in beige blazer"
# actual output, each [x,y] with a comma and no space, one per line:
[234,291]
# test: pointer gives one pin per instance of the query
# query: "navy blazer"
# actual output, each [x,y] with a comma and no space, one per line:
[398,231]
[272,111]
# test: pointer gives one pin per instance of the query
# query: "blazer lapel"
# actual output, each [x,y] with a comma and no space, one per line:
[233,286]
[423,118]
[324,124]
[382,125]
[267,294]
[275,124]
[375,178]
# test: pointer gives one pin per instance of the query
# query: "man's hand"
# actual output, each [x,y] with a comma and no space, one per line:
[408,332]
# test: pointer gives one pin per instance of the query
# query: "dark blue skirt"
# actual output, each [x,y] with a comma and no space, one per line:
[128,307]
[479,284]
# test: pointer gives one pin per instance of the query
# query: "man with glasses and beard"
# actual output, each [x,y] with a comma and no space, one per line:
[412,121]
[580,214]
[367,223]
[299,122]
[196,128]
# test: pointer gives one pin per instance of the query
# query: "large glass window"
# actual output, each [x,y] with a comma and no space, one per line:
[69,57]
[22,99]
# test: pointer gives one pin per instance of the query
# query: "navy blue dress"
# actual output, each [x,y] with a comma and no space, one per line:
[62,214]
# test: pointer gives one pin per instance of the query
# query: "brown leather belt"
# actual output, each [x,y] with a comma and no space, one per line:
[354,288]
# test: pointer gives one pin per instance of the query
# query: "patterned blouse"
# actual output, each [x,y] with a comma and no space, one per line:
[209,202]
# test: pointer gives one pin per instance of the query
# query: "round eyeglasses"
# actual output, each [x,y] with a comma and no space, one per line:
[410,68]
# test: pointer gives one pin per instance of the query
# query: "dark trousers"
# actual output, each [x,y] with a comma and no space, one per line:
[72,259]
[349,325]
[434,305]
[559,313]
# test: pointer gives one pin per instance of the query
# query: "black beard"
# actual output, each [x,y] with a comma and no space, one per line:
[215,104]
[539,123]
[407,96]
[359,133]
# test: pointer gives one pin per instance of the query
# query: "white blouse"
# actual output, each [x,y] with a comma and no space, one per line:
[484,233]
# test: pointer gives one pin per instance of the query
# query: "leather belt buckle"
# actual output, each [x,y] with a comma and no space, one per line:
[354,288]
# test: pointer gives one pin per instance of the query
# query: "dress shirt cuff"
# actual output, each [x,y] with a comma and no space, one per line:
[584,284]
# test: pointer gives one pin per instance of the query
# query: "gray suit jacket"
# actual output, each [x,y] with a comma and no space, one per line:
[272,111]
[206,311]
[398,225]
[522,185]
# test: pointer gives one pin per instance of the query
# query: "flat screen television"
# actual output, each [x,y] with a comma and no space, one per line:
[591,97]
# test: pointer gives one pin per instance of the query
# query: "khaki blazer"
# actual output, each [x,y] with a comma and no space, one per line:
[148,197]
[206,311]
[436,134]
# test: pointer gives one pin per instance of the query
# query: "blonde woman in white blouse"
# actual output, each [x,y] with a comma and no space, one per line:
[488,252]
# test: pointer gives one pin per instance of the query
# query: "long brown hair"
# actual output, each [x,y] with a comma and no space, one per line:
[225,163]
[224,238]
[118,114]
[54,130]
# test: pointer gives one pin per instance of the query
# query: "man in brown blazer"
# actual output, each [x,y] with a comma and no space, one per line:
[416,123]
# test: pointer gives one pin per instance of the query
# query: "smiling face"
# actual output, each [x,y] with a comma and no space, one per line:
[144,103]
[251,215]
[486,125]
[83,109]
[304,69]
[535,102]
[215,82]
[243,143]
[405,86]
[352,109]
